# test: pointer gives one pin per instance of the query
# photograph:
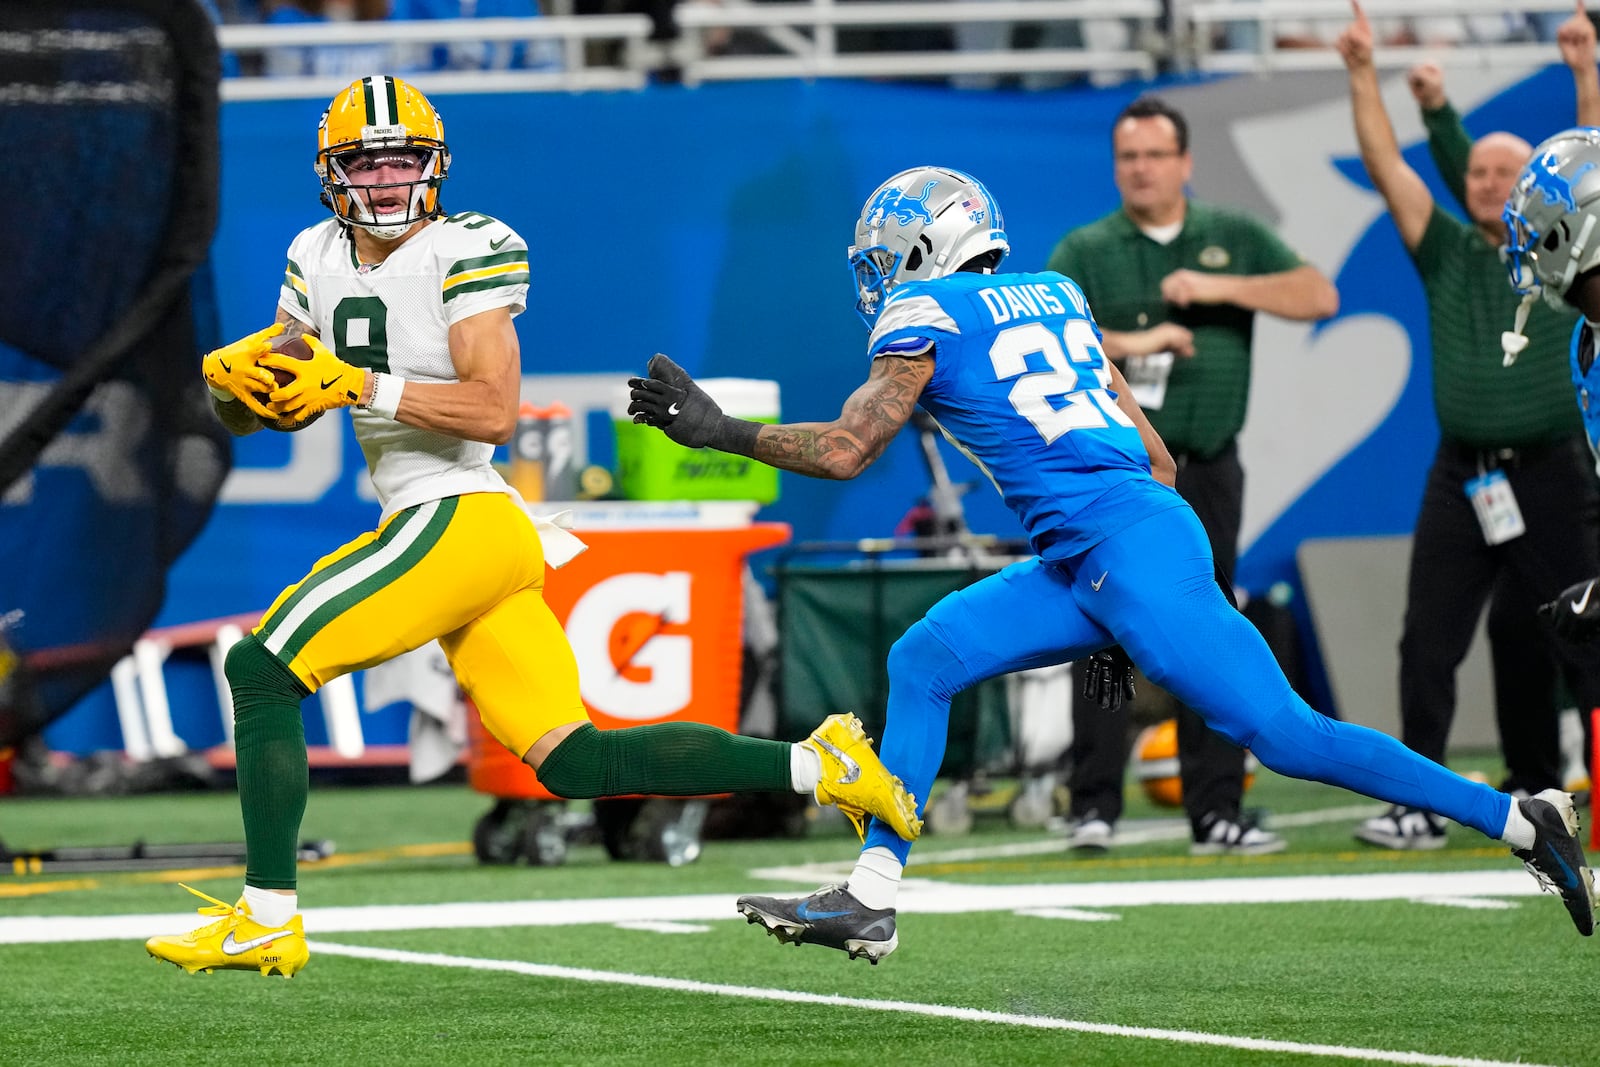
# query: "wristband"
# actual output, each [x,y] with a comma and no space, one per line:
[221,395]
[386,390]
[735,435]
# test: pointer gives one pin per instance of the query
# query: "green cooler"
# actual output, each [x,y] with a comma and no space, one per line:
[652,467]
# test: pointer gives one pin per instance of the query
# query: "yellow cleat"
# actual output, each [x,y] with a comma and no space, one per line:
[235,942]
[855,781]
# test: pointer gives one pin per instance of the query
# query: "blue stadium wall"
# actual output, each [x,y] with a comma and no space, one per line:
[711,224]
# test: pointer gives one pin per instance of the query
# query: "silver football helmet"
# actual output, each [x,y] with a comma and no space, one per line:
[922,223]
[1552,213]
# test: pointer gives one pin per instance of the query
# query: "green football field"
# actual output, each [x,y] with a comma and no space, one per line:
[1012,950]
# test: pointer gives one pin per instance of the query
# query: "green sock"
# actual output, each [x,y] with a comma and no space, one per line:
[672,759]
[269,742]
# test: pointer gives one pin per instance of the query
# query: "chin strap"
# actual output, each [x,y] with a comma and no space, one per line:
[1512,341]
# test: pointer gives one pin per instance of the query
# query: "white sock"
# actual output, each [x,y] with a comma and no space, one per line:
[1519,832]
[269,908]
[876,880]
[805,768]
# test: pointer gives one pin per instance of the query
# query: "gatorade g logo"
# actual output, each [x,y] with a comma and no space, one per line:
[905,209]
[633,660]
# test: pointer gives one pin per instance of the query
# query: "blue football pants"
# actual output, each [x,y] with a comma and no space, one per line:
[1150,588]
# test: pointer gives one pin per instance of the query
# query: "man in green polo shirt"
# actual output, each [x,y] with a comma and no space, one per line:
[1175,285]
[1509,496]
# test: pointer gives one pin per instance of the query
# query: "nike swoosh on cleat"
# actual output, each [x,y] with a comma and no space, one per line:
[494,246]
[1572,878]
[1098,582]
[852,769]
[673,409]
[231,947]
[1577,606]
[813,916]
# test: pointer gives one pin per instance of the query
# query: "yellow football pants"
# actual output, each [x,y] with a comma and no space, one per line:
[466,570]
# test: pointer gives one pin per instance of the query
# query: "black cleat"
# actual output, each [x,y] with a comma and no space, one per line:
[830,917]
[1556,858]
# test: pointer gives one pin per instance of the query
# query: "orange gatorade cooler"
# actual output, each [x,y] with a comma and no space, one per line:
[655,617]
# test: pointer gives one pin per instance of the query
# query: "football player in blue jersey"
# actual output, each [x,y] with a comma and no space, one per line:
[1010,365]
[1553,251]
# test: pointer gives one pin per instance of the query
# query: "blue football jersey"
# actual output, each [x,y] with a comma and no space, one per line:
[1022,386]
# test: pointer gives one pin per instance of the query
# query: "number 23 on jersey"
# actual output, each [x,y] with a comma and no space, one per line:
[1077,375]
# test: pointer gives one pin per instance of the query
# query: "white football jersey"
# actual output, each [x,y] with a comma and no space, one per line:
[395,317]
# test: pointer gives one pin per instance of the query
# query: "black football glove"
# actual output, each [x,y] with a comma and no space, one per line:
[671,401]
[1575,614]
[1108,678]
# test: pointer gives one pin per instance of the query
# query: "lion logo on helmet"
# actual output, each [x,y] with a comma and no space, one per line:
[905,209]
[1548,180]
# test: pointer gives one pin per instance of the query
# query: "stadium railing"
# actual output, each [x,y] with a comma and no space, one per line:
[1204,18]
[801,40]
[817,55]
[577,72]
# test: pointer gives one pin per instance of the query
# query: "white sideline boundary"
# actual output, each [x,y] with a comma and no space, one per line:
[903,1007]
[918,897]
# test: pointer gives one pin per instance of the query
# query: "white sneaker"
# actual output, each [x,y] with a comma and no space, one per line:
[1222,836]
[1090,834]
[1403,829]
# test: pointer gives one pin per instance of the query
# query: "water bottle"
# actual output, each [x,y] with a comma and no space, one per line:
[543,466]
[560,462]
[527,454]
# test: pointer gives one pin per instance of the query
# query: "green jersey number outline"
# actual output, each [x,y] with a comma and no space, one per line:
[482,220]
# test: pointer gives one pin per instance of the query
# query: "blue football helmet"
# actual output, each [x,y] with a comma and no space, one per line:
[1552,213]
[922,223]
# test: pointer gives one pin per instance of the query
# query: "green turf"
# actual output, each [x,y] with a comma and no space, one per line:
[1500,985]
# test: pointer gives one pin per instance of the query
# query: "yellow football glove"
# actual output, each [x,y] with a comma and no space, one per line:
[321,383]
[234,369]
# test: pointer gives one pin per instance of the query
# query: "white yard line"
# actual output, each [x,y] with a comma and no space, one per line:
[903,1007]
[916,897]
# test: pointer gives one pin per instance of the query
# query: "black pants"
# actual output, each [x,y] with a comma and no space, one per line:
[1453,572]
[1210,767]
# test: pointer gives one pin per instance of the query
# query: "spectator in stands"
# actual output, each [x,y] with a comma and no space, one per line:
[1176,285]
[480,55]
[342,60]
[1304,33]
[1091,36]
[1510,491]
[1547,24]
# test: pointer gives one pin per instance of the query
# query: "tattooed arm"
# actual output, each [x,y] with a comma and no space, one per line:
[671,400]
[849,444]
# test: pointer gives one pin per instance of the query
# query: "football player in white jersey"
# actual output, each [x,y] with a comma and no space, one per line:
[407,313]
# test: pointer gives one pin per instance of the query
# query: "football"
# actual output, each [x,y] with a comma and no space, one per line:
[294,346]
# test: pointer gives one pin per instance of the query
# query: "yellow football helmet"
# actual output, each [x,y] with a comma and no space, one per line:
[375,114]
